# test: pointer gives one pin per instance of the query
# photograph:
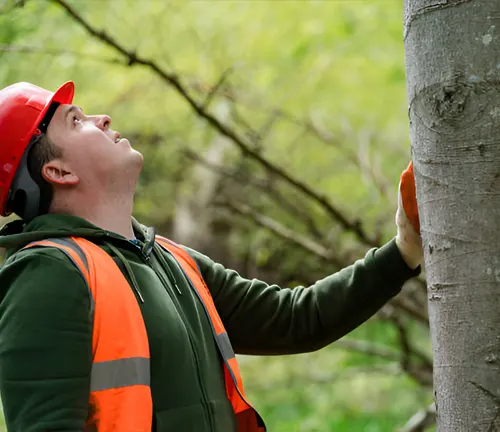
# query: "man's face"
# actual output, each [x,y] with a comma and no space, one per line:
[91,151]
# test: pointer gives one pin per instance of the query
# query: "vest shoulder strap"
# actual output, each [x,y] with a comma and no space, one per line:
[167,243]
[70,247]
[194,276]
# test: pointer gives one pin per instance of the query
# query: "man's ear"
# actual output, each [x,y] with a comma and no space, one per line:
[56,172]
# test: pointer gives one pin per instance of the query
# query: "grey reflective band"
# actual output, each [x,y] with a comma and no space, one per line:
[64,241]
[120,373]
[225,347]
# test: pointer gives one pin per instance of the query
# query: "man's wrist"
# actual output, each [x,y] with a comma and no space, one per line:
[412,254]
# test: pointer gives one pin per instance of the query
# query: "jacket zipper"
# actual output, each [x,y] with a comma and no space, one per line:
[182,318]
[214,334]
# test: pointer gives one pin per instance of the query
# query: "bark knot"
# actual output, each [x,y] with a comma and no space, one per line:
[451,100]
[491,358]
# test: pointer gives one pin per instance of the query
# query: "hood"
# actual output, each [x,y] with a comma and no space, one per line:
[17,234]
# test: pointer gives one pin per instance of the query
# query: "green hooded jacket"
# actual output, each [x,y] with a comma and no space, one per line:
[45,330]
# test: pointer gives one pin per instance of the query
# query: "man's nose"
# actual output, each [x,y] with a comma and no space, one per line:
[103,122]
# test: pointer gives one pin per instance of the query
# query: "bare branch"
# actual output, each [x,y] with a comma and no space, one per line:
[34,49]
[361,160]
[402,302]
[326,378]
[263,186]
[368,348]
[244,146]
[353,371]
[275,227]
[421,420]
[312,127]
[422,373]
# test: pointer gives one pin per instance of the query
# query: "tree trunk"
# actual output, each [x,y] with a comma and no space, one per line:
[193,215]
[453,76]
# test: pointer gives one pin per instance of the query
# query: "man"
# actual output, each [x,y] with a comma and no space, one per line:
[105,326]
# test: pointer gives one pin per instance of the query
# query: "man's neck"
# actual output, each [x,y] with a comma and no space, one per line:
[109,213]
[120,223]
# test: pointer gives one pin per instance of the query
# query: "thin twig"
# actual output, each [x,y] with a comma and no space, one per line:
[421,420]
[263,186]
[34,49]
[368,348]
[326,137]
[402,302]
[275,227]
[213,90]
[422,373]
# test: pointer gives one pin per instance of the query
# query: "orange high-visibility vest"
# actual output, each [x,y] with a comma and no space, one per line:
[120,394]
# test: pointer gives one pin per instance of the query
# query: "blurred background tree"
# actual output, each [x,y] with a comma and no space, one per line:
[274,134]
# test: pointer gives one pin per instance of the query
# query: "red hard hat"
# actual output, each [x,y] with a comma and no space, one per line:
[23,106]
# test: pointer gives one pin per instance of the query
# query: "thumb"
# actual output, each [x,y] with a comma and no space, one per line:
[408,197]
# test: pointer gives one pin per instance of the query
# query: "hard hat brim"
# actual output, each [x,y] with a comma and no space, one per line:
[64,94]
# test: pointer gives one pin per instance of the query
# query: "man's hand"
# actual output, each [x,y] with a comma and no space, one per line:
[407,220]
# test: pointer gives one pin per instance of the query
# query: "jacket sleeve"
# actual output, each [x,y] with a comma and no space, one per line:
[45,343]
[269,320]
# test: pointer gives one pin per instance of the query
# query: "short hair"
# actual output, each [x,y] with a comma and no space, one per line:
[42,151]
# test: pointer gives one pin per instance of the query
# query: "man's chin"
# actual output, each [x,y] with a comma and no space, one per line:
[134,167]
[138,155]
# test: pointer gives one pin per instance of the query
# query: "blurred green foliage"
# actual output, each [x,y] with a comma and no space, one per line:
[336,67]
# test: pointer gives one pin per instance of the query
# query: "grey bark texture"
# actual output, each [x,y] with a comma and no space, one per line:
[453,82]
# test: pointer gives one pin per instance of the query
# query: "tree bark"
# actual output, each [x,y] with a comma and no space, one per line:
[453,83]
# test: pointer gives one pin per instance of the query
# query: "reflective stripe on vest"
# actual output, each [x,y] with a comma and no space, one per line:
[120,373]
[120,394]
[248,419]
